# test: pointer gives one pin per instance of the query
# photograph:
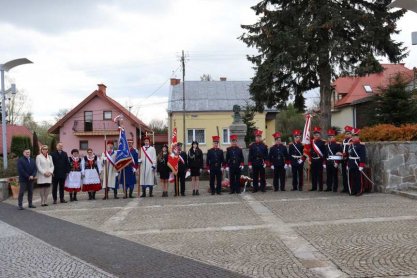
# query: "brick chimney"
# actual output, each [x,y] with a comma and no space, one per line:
[102,88]
[223,79]
[175,81]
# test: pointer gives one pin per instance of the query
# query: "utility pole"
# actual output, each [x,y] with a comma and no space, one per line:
[183,97]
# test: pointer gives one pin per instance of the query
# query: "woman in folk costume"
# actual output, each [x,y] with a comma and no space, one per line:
[196,164]
[130,171]
[74,180]
[90,169]
[109,174]
[163,169]
[45,167]
[147,160]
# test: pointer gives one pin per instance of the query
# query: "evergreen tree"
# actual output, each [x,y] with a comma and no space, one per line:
[248,119]
[395,105]
[35,140]
[304,44]
[19,144]
[52,147]
[289,119]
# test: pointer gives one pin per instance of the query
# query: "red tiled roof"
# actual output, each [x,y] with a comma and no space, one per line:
[353,89]
[102,95]
[13,130]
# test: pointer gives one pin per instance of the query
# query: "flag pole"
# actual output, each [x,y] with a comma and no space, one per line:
[106,189]
[139,156]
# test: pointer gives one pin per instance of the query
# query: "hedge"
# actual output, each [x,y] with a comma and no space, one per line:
[387,132]
[19,144]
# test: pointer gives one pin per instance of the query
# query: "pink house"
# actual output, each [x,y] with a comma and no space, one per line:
[91,121]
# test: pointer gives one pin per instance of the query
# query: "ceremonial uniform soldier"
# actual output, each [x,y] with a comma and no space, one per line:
[182,169]
[297,158]
[147,161]
[333,158]
[128,174]
[258,155]
[278,157]
[345,157]
[234,164]
[215,161]
[356,163]
[317,151]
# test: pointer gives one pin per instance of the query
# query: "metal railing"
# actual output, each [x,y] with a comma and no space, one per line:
[83,126]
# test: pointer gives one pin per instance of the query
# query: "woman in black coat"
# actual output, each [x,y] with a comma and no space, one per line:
[195,162]
[163,169]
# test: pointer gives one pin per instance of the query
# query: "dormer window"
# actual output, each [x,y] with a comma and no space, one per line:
[368,89]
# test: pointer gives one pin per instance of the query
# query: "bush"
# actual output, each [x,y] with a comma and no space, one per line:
[387,132]
[19,144]
[11,169]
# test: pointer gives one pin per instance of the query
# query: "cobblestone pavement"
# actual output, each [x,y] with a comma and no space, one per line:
[23,255]
[272,234]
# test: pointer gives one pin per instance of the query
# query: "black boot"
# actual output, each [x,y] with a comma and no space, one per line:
[75,196]
[197,193]
[150,191]
[94,195]
[115,194]
[143,192]
[71,199]
[90,196]
[106,194]
[130,192]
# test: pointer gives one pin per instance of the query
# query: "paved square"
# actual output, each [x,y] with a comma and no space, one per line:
[272,234]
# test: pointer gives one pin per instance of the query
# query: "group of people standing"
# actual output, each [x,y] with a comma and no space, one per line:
[92,173]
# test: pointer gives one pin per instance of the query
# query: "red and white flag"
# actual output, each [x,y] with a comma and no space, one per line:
[306,135]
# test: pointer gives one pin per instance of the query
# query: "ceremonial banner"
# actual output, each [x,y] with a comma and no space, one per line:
[123,156]
[306,136]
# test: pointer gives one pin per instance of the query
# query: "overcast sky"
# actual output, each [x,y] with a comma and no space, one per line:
[132,46]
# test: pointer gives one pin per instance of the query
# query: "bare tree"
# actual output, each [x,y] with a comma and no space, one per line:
[158,126]
[206,77]
[16,107]
[61,113]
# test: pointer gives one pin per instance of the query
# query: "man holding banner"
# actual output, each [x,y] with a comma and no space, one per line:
[317,152]
[109,172]
[128,175]
[147,161]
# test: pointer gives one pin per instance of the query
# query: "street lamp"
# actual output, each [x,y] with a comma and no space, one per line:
[6,67]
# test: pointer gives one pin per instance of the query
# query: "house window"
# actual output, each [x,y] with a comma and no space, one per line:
[368,88]
[88,120]
[107,115]
[195,134]
[83,145]
[226,136]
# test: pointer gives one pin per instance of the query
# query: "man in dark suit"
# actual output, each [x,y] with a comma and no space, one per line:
[26,168]
[61,170]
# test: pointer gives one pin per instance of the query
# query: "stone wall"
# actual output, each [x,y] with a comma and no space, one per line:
[393,164]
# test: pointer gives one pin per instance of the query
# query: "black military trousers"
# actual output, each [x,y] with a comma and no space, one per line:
[297,176]
[332,180]
[258,177]
[23,186]
[345,176]
[279,178]
[355,180]
[181,179]
[216,175]
[234,173]
[317,174]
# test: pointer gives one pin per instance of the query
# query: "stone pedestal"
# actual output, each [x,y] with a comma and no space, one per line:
[239,129]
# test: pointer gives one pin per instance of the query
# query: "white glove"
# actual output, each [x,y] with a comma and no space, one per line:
[335,165]
[208,171]
[285,166]
[289,166]
[264,165]
[139,160]
[361,169]
[324,166]
[227,169]
[250,167]
[134,170]
[272,167]
[300,161]
[241,167]
[201,171]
